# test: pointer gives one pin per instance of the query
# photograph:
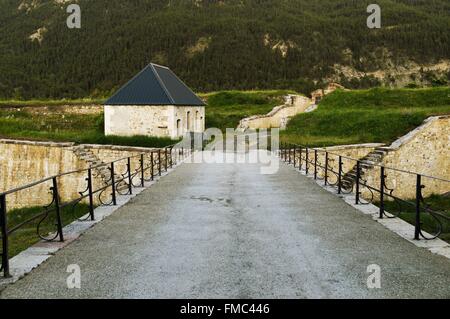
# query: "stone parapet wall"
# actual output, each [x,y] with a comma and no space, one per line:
[25,162]
[356,152]
[424,150]
[279,116]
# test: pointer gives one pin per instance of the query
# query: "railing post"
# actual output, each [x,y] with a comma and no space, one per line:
[57,209]
[130,182]
[285,152]
[182,152]
[152,168]
[91,194]
[165,159]
[290,153]
[315,164]
[340,175]
[301,160]
[159,162]
[295,155]
[382,182]
[142,171]
[113,181]
[307,161]
[4,233]
[326,169]
[170,158]
[417,227]
[358,176]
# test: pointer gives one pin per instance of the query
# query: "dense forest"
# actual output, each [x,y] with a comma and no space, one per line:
[214,45]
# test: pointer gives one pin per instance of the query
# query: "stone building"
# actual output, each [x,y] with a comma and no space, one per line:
[154,103]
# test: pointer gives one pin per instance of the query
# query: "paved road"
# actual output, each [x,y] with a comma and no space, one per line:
[226,231]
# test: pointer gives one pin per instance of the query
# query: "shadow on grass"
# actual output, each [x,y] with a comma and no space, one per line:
[429,224]
[27,236]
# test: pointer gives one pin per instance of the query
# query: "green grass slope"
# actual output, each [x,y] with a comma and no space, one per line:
[59,127]
[366,116]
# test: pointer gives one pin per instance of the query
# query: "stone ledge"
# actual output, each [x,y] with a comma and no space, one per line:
[353,146]
[301,100]
[71,144]
[119,148]
[37,143]
[408,137]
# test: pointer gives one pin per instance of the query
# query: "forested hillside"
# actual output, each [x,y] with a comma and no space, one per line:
[212,45]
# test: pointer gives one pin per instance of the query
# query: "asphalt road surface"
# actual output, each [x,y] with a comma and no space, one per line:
[226,231]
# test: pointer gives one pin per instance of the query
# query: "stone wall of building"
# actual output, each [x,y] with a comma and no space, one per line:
[150,120]
[186,119]
[130,120]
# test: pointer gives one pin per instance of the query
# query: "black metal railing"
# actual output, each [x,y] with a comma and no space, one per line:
[147,167]
[373,183]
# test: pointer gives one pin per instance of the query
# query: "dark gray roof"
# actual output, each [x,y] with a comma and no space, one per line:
[155,85]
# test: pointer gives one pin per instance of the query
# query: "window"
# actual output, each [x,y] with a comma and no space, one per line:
[197,122]
[188,121]
[179,128]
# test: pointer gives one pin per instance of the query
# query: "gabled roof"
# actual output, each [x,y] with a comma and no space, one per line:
[155,85]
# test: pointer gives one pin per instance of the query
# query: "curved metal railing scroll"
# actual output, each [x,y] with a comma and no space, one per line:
[360,182]
[135,171]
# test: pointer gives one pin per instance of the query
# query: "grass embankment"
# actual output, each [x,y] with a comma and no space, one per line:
[436,203]
[226,109]
[26,236]
[367,116]
[61,127]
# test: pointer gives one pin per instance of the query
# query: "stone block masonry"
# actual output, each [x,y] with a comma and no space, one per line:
[279,116]
[25,162]
[424,150]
